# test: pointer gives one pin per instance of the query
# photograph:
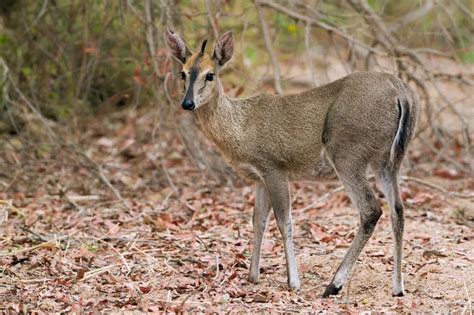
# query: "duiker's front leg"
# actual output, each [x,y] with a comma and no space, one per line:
[260,218]
[277,187]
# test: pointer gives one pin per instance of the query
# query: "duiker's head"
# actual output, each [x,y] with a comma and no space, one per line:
[199,70]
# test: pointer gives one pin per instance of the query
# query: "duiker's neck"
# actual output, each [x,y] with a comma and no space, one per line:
[217,104]
[220,119]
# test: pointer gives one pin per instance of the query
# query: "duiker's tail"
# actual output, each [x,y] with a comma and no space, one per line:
[406,125]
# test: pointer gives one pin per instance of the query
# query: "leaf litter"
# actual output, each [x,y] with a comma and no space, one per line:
[68,245]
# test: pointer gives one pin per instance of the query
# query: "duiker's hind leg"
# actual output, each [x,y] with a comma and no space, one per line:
[260,218]
[389,180]
[362,197]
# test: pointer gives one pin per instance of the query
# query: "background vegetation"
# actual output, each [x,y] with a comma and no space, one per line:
[91,131]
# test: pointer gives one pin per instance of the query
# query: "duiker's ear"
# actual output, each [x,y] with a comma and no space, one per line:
[224,49]
[176,45]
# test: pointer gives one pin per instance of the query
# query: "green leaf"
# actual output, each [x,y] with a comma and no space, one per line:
[292,28]
[250,53]
[3,40]
[92,247]
[27,71]
[468,57]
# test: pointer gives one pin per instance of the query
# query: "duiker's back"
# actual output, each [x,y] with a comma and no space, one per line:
[359,111]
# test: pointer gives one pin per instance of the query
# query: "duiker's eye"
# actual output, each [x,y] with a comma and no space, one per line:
[183,75]
[209,76]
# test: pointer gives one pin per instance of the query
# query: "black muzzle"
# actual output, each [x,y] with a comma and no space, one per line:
[188,104]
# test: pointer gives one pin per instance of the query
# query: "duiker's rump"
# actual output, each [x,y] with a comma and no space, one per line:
[365,119]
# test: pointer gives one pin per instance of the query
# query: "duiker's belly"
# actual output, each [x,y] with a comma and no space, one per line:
[316,169]
[321,169]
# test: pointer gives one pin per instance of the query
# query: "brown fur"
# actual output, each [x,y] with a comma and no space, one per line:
[364,119]
[286,132]
[204,63]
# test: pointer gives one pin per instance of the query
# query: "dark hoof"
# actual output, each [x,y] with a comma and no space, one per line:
[331,290]
[399,294]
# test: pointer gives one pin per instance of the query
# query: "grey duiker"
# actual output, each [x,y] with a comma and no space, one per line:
[363,120]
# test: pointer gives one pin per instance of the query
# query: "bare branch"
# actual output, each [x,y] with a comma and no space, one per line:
[414,15]
[312,21]
[212,19]
[271,53]
[150,36]
[309,62]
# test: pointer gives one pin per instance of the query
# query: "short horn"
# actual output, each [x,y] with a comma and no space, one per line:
[203,47]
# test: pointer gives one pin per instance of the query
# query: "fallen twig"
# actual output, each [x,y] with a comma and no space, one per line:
[323,197]
[117,252]
[100,174]
[404,178]
[10,205]
[96,272]
[436,187]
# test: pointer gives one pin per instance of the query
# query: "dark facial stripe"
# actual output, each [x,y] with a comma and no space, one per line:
[193,74]
[192,79]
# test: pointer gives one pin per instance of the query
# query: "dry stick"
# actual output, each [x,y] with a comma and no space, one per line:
[144,253]
[170,181]
[445,156]
[54,138]
[51,134]
[307,19]
[96,272]
[436,187]
[62,194]
[268,45]
[323,197]
[309,62]
[465,125]
[38,236]
[117,252]
[341,58]
[404,178]
[217,267]
[35,280]
[150,36]
[162,162]
[99,172]
[165,88]
[168,176]
[212,19]
[135,12]
[468,306]
[24,250]
[464,10]
[10,205]
[414,15]
[379,29]
[41,13]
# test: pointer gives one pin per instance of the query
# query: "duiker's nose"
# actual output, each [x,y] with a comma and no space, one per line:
[187,104]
